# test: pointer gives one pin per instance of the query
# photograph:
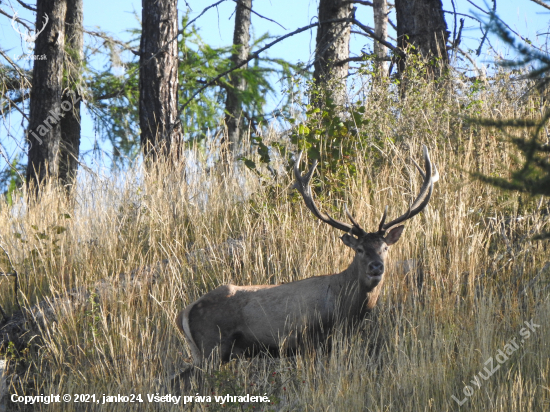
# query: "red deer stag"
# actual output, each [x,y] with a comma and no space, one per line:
[243,320]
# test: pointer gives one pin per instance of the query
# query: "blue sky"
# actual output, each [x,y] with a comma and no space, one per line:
[216,27]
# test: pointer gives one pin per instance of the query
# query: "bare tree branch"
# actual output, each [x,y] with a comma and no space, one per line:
[16,67]
[462,14]
[541,3]
[15,84]
[493,15]
[7,160]
[107,38]
[13,103]
[200,14]
[260,16]
[360,33]
[17,19]
[480,73]
[26,6]
[454,23]
[459,36]
[107,96]
[477,7]
[362,58]
[252,57]
[377,38]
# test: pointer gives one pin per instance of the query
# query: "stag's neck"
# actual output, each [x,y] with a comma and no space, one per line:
[358,296]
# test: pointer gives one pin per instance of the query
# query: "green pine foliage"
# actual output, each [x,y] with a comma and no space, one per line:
[115,103]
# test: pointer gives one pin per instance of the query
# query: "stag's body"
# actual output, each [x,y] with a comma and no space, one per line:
[243,320]
[280,319]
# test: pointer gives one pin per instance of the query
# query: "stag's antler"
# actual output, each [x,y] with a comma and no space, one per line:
[303,186]
[421,200]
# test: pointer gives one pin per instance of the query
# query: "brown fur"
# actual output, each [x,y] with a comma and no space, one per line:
[244,320]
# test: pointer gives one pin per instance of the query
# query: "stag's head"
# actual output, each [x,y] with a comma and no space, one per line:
[370,248]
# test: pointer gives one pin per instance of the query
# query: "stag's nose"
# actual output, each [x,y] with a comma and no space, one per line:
[376,268]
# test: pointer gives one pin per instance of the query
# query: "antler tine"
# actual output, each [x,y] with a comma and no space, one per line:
[419,169]
[381,225]
[435,176]
[426,177]
[303,186]
[350,217]
[423,197]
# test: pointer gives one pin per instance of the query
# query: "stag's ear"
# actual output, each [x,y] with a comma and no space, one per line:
[350,241]
[394,235]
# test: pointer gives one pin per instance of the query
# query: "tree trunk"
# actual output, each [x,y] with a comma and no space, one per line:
[380,8]
[158,78]
[241,48]
[70,123]
[333,47]
[421,23]
[44,133]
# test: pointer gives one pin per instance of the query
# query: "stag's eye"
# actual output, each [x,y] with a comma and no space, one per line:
[360,250]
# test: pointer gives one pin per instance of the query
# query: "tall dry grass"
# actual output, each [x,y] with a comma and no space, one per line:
[478,277]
